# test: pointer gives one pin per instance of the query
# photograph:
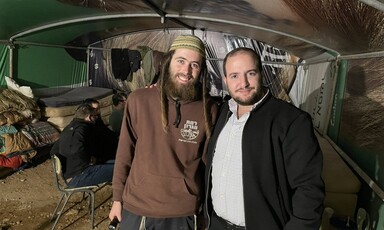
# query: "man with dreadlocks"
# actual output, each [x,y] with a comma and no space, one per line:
[158,176]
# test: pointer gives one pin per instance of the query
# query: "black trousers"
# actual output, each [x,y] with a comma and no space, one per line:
[131,221]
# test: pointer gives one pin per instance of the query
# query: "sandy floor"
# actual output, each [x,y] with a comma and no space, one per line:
[28,198]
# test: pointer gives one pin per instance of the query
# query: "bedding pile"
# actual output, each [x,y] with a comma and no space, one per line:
[30,122]
[21,131]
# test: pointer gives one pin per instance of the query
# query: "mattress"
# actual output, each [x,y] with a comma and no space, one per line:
[64,111]
[75,96]
[61,121]
[59,109]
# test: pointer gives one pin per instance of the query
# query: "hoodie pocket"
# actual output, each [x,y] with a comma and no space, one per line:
[162,189]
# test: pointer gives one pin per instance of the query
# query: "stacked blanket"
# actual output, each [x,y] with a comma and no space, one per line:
[15,108]
[20,129]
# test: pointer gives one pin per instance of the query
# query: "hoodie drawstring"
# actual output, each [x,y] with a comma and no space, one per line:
[178,116]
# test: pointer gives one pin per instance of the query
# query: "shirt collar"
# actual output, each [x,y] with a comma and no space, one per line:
[233,105]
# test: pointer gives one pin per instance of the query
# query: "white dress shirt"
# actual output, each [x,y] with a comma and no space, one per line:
[227,174]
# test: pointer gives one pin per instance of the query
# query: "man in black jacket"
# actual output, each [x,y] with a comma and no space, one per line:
[77,151]
[264,162]
[106,139]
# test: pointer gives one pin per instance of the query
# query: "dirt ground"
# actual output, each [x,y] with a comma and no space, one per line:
[28,198]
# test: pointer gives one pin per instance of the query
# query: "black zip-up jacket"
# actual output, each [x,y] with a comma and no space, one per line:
[282,165]
[75,147]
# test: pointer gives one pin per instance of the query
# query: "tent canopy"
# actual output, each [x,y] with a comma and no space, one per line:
[305,28]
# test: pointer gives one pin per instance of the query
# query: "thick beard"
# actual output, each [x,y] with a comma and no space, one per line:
[257,96]
[184,92]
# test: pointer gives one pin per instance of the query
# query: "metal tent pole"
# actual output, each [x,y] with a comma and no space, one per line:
[11,48]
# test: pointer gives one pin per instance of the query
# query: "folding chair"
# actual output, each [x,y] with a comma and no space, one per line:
[62,186]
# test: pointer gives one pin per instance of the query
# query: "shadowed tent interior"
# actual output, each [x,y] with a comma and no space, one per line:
[323,56]
[304,28]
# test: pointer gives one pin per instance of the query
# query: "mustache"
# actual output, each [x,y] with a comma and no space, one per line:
[189,76]
[245,88]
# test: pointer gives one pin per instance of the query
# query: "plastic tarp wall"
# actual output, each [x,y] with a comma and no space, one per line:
[362,121]
[312,90]
[43,67]
[3,64]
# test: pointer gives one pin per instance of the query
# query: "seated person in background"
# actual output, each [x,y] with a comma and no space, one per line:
[116,117]
[106,139]
[77,151]
[96,105]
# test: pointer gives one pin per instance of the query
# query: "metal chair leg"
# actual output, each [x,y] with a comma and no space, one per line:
[91,207]
[92,198]
[67,196]
[57,206]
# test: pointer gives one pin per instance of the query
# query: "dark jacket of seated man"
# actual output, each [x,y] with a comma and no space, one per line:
[77,150]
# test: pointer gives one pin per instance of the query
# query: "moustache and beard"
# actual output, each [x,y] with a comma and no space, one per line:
[190,91]
[256,96]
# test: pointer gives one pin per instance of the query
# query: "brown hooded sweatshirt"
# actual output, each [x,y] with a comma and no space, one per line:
[160,174]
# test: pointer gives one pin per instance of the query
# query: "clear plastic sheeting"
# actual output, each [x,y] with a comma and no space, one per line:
[312,91]
[362,117]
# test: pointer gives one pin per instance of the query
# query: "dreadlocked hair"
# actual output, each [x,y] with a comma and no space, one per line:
[164,73]
[206,102]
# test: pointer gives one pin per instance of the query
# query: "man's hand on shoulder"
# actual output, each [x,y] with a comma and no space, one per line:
[151,86]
